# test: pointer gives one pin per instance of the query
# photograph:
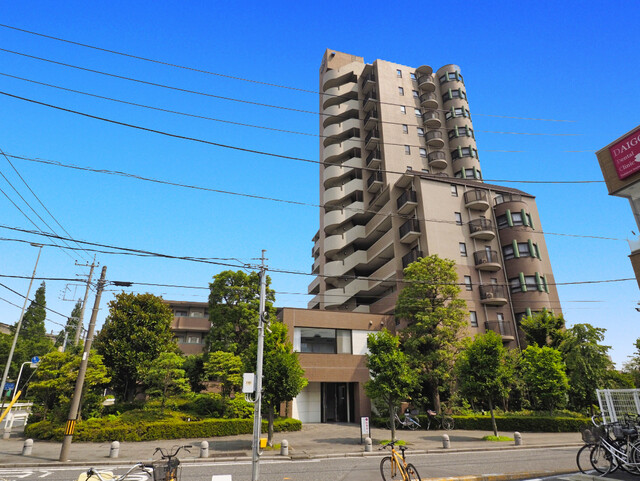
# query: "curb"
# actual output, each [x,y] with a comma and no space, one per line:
[502,477]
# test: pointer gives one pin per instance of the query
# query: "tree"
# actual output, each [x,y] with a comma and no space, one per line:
[485,371]
[282,376]
[33,320]
[54,383]
[165,377]
[392,379]
[543,329]
[70,327]
[234,303]
[136,331]
[226,368]
[587,364]
[543,372]
[194,369]
[632,367]
[435,320]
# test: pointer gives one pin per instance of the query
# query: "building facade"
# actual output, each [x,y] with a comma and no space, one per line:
[620,165]
[190,325]
[401,178]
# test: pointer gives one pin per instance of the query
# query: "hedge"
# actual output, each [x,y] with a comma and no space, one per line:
[540,424]
[99,430]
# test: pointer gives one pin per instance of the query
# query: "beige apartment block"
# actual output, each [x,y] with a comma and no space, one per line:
[401,178]
[190,325]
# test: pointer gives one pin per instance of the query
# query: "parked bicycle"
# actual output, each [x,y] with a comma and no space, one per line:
[165,469]
[409,420]
[395,467]
[441,420]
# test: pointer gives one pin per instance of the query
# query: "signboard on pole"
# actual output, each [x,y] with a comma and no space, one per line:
[34,362]
[365,429]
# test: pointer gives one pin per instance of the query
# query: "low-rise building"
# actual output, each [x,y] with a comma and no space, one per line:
[190,325]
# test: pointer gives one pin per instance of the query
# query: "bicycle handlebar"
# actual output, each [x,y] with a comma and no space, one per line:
[167,454]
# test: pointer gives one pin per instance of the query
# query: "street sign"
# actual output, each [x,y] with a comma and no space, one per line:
[35,359]
[9,386]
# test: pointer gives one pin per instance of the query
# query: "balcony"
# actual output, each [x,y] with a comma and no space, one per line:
[372,139]
[481,229]
[434,139]
[409,231]
[370,101]
[429,100]
[407,201]
[374,159]
[371,119]
[502,328]
[437,159]
[411,257]
[487,260]
[431,119]
[493,295]
[426,83]
[368,82]
[505,198]
[476,199]
[374,182]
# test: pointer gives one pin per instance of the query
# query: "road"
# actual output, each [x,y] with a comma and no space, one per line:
[532,460]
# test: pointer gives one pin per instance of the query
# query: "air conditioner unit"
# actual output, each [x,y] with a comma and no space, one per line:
[483,260]
[488,295]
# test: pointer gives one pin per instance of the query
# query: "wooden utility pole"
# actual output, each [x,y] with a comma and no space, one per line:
[77,393]
[84,303]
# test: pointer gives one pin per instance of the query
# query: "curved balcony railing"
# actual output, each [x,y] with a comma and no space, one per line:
[490,291]
[477,225]
[500,327]
[486,257]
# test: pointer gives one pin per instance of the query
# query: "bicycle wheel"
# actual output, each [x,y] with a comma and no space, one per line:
[412,473]
[583,459]
[602,460]
[447,423]
[390,470]
[413,424]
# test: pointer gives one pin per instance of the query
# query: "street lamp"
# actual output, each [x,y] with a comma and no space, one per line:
[15,337]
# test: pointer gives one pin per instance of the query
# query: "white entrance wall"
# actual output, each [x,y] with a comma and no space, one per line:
[306,407]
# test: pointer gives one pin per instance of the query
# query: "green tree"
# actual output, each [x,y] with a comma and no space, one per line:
[194,369]
[136,331]
[54,382]
[225,368]
[543,329]
[234,303]
[33,319]
[165,377]
[632,367]
[392,379]
[587,364]
[485,371]
[435,320]
[543,372]
[282,376]
[71,326]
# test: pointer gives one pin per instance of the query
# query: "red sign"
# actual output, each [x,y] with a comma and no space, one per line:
[626,155]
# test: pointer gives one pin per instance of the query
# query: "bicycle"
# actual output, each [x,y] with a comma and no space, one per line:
[442,421]
[408,421]
[166,469]
[395,467]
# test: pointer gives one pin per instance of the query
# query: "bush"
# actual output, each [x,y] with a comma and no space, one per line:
[238,408]
[206,405]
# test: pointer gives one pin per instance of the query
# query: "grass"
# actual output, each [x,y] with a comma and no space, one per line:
[497,438]
[399,442]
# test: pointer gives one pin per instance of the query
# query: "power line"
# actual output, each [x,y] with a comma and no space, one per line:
[33,301]
[20,307]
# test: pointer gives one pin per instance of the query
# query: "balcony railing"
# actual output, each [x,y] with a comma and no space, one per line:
[490,291]
[370,96]
[477,225]
[501,327]
[407,196]
[475,195]
[412,225]
[411,257]
[434,135]
[502,198]
[437,155]
[373,115]
[428,96]
[484,257]
[375,177]
[370,135]
[374,155]
[369,78]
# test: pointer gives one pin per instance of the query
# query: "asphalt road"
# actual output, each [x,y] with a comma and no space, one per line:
[538,461]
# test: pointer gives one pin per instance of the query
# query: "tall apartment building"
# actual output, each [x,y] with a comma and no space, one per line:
[401,178]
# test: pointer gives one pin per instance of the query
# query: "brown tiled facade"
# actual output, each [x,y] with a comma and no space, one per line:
[190,325]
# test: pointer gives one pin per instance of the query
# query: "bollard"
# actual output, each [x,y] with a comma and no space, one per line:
[446,444]
[204,449]
[518,438]
[115,449]
[284,448]
[367,445]
[27,447]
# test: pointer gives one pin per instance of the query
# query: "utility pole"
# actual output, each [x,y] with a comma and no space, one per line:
[257,412]
[15,337]
[77,393]
[84,303]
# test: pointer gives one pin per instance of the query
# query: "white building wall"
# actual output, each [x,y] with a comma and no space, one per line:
[359,342]
[306,407]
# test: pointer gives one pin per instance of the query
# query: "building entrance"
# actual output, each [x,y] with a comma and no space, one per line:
[338,402]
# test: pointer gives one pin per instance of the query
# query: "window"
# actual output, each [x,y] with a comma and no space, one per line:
[473,318]
[403,109]
[507,252]
[416,94]
[423,152]
[463,249]
[418,113]
[405,129]
[193,339]
[181,313]
[457,112]
[454,190]
[400,91]
[468,174]
[420,132]
[454,94]
[399,73]
[407,149]
[413,76]
[467,283]
[460,132]
[446,77]
[324,341]
[458,218]
[531,283]
[461,152]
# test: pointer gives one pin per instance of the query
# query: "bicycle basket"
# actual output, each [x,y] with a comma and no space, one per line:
[592,434]
[617,432]
[162,472]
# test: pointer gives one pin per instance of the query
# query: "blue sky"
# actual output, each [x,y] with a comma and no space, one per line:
[534,60]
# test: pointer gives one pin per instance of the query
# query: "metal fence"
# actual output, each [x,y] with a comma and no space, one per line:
[614,403]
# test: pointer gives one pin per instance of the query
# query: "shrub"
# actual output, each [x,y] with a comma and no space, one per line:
[206,405]
[238,408]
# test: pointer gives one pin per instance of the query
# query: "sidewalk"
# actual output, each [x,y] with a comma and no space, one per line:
[314,441]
